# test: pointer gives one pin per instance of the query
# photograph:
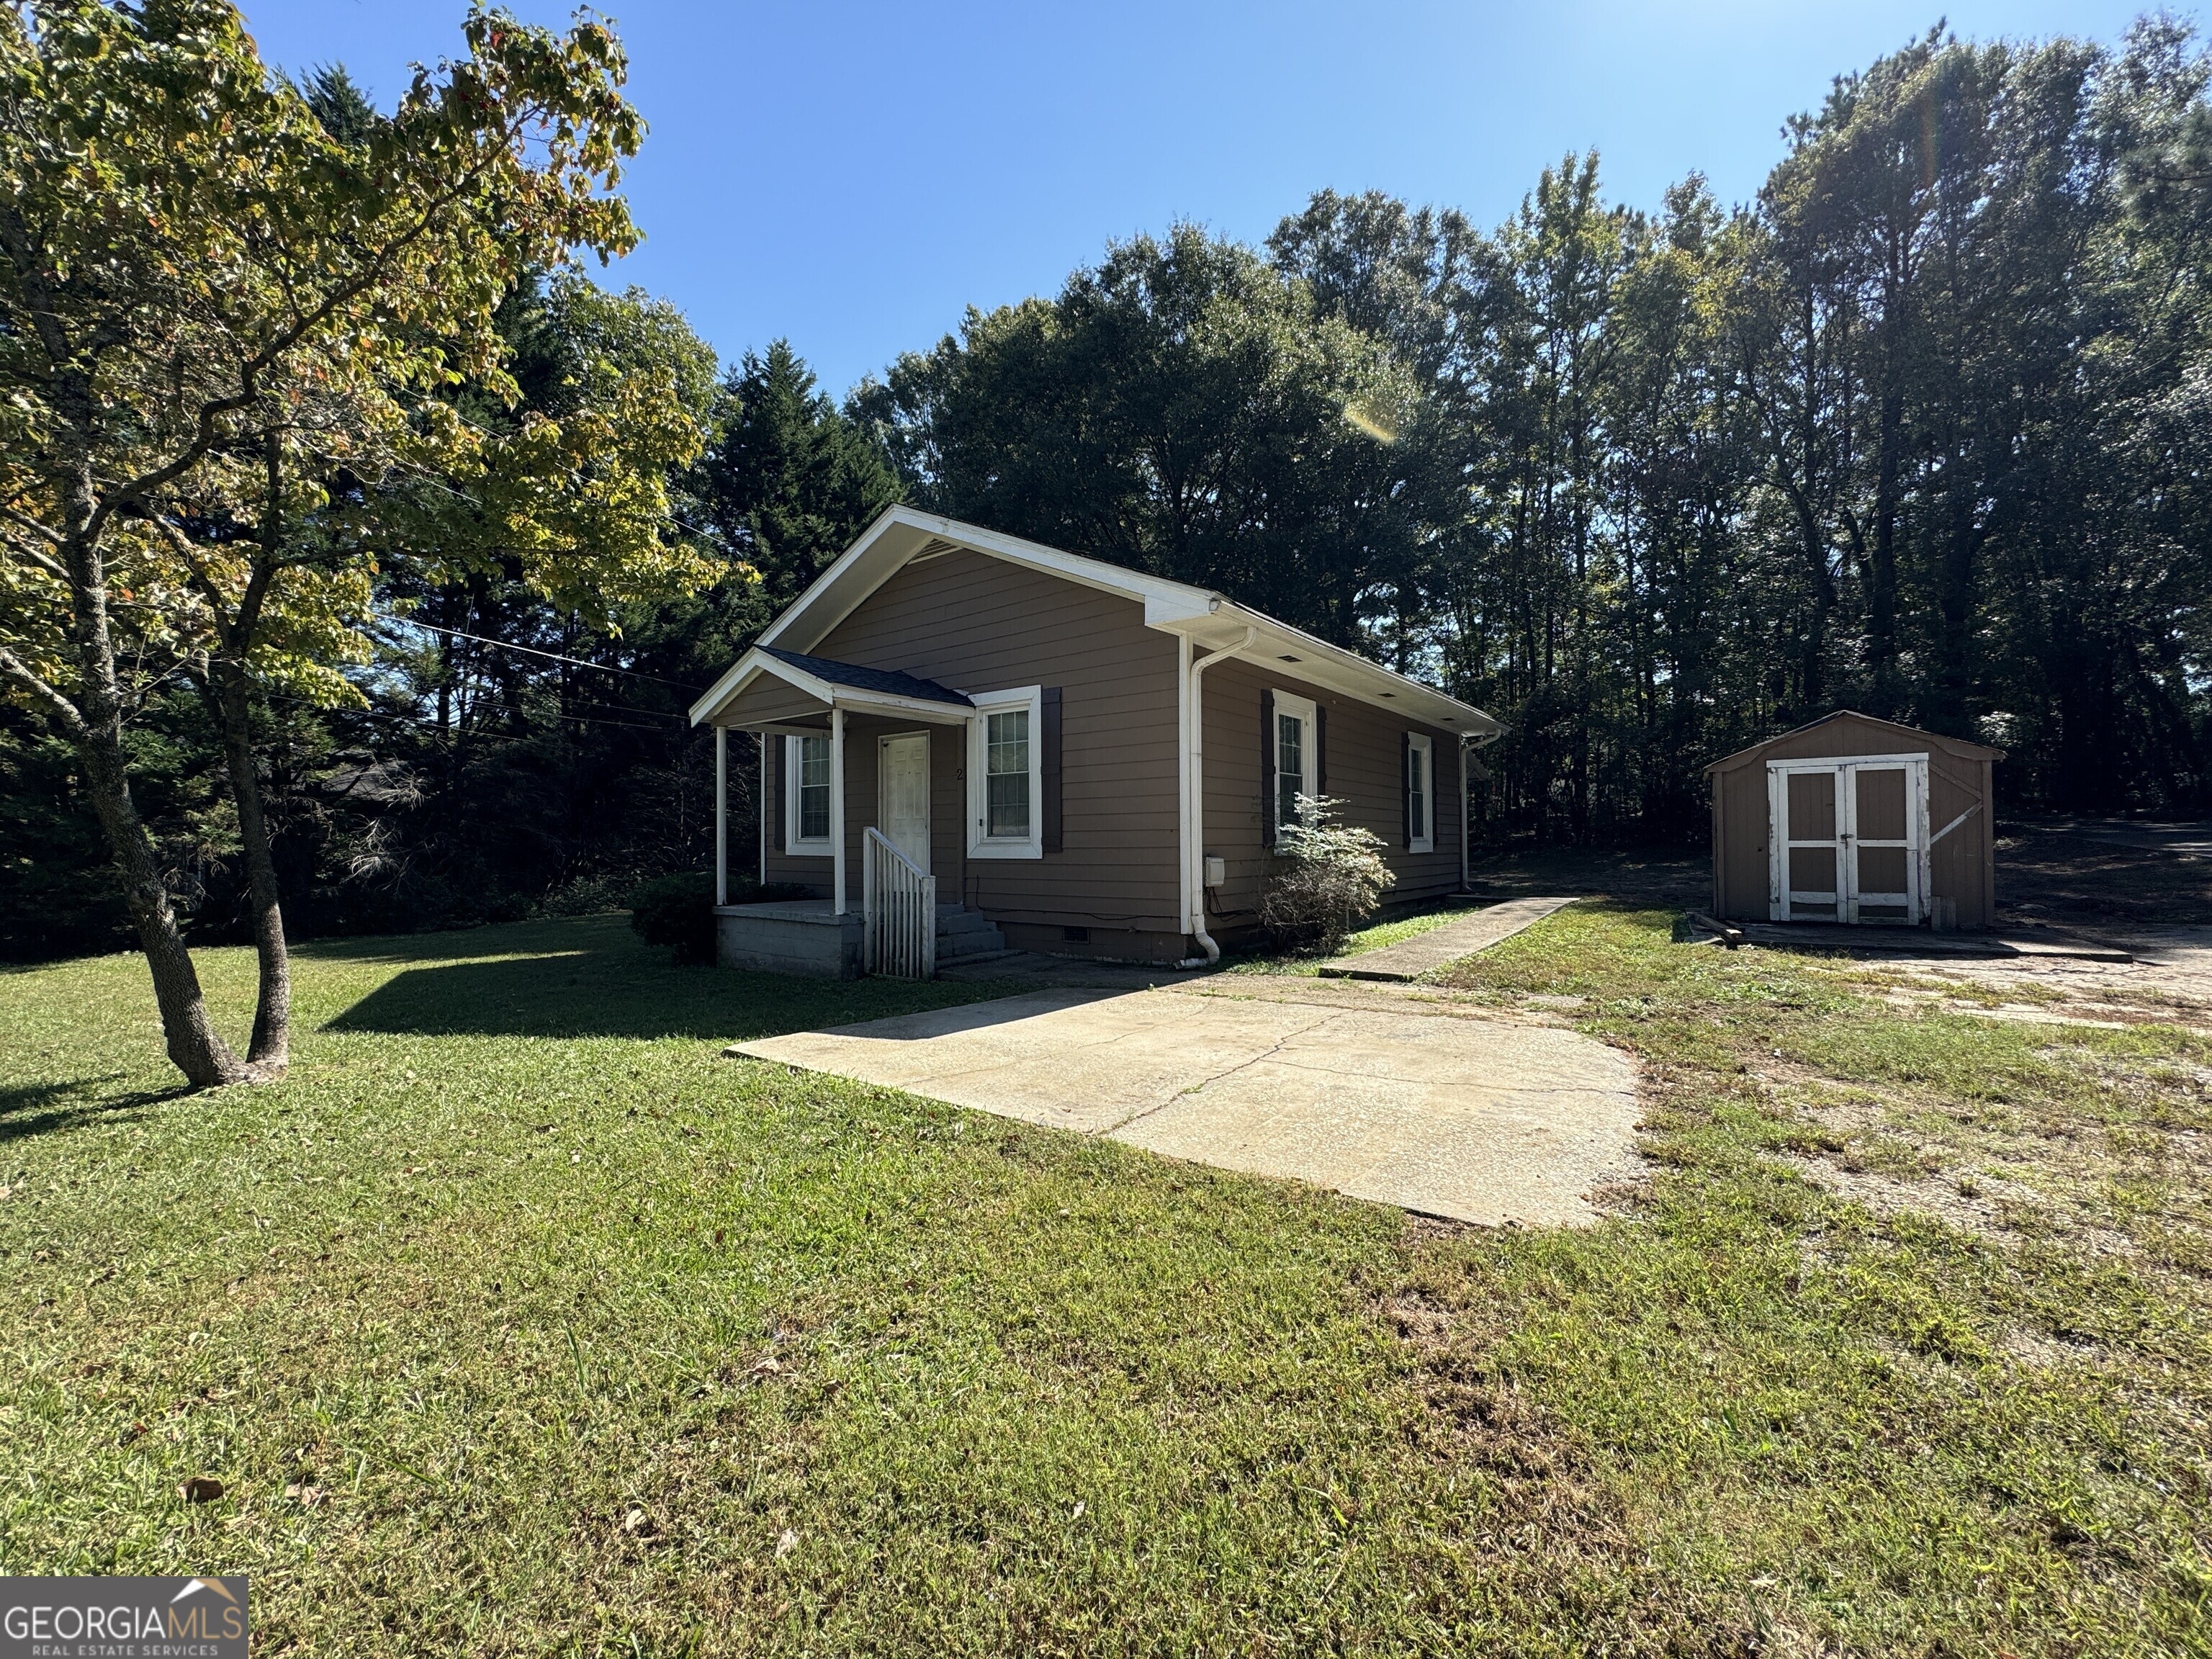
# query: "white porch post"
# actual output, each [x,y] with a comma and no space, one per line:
[837,810]
[763,799]
[721,815]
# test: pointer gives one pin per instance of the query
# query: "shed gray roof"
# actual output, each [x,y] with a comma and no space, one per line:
[886,681]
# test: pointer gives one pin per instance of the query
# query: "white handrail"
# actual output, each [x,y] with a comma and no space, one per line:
[898,910]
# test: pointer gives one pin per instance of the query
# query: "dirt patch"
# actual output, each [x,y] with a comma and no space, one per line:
[2076,878]
[1419,1320]
[1982,1205]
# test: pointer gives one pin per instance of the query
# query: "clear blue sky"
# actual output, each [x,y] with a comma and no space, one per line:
[853,176]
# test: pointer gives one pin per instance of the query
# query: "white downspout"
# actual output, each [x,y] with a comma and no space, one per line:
[1194,826]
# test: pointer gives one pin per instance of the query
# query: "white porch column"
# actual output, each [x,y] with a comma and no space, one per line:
[721,815]
[764,799]
[837,810]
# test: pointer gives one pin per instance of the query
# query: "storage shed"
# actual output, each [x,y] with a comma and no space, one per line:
[1854,819]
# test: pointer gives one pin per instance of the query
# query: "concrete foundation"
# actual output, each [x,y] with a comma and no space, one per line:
[796,936]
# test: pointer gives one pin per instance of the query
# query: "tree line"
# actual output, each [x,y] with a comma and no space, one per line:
[361,555]
[1922,430]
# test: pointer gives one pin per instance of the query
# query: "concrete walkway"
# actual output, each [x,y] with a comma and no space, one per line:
[1412,958]
[1473,1118]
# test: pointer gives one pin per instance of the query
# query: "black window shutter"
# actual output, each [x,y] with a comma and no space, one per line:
[1321,750]
[1405,789]
[1049,768]
[776,788]
[1266,769]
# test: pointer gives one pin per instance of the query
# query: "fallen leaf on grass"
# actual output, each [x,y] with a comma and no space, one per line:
[786,1544]
[200,1489]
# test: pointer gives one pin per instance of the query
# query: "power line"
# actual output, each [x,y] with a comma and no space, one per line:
[532,651]
[464,734]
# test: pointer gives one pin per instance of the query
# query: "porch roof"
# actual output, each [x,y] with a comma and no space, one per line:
[882,681]
[827,684]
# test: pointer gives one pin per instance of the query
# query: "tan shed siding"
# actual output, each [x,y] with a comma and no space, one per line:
[1362,762]
[1957,867]
[1744,878]
[982,624]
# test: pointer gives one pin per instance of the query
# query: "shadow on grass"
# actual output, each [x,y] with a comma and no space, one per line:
[38,1108]
[591,977]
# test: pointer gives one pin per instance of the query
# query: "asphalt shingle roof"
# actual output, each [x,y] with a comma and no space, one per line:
[887,681]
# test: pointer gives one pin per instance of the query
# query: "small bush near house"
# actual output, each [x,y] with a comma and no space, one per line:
[677,911]
[1332,877]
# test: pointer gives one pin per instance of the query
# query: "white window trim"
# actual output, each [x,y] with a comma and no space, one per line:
[987,704]
[1302,709]
[794,845]
[1427,749]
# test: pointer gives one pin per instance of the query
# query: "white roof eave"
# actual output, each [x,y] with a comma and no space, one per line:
[1335,669]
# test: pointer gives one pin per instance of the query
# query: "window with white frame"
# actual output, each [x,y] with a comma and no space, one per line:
[1297,759]
[1420,790]
[1005,786]
[807,795]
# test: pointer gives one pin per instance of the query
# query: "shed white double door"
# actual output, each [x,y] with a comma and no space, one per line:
[1848,839]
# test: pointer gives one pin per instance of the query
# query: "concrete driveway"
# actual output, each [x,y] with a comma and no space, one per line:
[1373,1094]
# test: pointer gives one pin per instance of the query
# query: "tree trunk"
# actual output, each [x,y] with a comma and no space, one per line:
[270,1050]
[195,1047]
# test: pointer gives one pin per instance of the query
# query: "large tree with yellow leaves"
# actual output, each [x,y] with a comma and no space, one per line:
[245,358]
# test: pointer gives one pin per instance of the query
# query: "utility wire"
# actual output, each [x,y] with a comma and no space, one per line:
[532,651]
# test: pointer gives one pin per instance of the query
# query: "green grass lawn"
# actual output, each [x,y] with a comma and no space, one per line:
[1374,937]
[516,1320]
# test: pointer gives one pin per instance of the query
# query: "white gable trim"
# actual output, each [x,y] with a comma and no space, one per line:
[900,532]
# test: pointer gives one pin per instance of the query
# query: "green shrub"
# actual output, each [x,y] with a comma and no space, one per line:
[677,911]
[1332,875]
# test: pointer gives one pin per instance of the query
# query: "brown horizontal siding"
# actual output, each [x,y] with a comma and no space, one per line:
[1363,771]
[978,623]
[769,698]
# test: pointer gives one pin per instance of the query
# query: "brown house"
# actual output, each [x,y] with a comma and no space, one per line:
[1045,751]
[1854,819]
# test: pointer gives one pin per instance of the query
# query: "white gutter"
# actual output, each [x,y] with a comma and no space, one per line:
[1194,809]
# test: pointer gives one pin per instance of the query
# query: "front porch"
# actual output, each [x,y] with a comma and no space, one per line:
[851,760]
[808,937]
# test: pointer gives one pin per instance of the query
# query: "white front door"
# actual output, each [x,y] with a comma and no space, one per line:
[1849,839]
[904,782]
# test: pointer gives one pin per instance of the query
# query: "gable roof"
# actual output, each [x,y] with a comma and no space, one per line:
[1912,736]
[1209,620]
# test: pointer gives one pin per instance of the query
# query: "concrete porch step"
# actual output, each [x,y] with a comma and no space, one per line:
[964,935]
